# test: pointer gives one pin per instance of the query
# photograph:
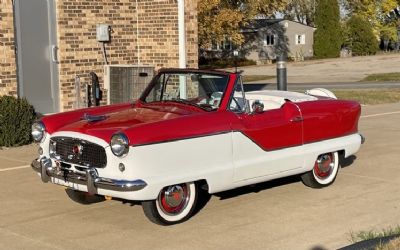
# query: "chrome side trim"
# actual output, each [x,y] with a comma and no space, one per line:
[89,179]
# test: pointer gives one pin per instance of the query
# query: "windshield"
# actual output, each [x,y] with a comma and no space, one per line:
[197,89]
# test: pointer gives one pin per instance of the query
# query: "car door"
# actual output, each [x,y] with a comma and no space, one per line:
[267,143]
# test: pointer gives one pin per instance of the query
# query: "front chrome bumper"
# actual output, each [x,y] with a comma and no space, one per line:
[89,179]
[362,139]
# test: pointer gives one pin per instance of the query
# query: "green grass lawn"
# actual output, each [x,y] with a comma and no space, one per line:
[253,78]
[372,234]
[385,77]
[391,245]
[370,96]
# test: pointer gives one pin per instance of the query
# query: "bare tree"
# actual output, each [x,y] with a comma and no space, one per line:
[302,11]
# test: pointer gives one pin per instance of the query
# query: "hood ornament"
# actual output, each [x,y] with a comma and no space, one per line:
[93,118]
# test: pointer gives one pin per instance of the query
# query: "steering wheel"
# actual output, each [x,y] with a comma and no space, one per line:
[199,100]
[215,99]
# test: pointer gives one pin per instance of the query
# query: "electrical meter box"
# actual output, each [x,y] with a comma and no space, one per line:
[103,32]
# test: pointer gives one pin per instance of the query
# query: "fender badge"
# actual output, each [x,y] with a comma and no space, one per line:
[77,149]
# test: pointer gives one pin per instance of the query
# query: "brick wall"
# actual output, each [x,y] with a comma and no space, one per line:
[79,51]
[8,81]
[157,42]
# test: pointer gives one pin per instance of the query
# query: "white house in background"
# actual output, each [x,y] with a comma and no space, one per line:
[266,38]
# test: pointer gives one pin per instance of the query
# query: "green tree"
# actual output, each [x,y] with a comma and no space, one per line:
[328,36]
[362,39]
[370,10]
[375,12]
[222,19]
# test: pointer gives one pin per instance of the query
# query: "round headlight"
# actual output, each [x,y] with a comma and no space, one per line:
[38,131]
[119,144]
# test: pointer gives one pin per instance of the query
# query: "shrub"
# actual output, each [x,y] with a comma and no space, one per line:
[16,118]
[218,63]
[362,38]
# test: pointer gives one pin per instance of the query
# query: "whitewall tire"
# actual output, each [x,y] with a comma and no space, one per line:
[324,172]
[174,204]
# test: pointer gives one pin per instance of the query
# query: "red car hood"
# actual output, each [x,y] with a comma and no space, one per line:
[128,118]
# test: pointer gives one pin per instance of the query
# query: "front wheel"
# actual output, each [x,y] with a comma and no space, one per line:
[324,173]
[174,204]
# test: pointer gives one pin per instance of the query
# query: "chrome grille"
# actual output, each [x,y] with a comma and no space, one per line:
[77,151]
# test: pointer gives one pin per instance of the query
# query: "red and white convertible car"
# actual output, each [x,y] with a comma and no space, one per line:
[194,129]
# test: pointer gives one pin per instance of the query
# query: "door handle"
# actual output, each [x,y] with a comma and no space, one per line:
[54,52]
[297,119]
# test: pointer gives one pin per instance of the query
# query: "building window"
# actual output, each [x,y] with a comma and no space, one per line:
[269,40]
[214,46]
[225,45]
[300,39]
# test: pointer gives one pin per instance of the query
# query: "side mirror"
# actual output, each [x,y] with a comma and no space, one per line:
[257,107]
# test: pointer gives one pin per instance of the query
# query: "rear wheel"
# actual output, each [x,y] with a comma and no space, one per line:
[83,197]
[174,204]
[324,173]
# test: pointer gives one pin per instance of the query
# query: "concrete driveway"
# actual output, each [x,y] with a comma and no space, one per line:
[281,214]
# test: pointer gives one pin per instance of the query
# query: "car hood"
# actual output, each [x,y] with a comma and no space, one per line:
[106,124]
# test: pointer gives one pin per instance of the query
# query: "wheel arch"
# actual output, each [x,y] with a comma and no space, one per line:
[202,184]
[342,155]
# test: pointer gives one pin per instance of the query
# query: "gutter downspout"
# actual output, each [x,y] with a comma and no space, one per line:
[137,33]
[182,47]
[182,34]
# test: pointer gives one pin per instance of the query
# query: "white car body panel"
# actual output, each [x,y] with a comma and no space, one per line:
[225,161]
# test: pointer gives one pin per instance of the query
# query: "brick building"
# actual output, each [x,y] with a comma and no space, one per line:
[142,32]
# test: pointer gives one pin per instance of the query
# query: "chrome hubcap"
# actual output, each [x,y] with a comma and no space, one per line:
[174,199]
[174,195]
[324,165]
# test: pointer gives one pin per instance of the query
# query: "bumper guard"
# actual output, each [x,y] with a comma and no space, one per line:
[362,139]
[89,179]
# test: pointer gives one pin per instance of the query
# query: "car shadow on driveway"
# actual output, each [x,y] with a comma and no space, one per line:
[255,188]
[204,197]
[346,162]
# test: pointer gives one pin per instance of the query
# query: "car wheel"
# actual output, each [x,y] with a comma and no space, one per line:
[324,173]
[173,205]
[83,197]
